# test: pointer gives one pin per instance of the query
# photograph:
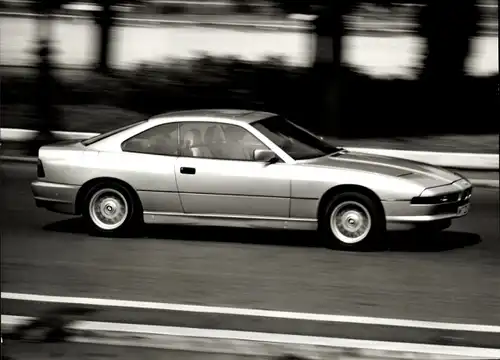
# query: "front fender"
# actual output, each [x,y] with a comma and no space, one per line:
[315,182]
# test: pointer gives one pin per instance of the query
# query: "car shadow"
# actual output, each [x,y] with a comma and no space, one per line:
[395,242]
[400,241]
[201,233]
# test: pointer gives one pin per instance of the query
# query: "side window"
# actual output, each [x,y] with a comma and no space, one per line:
[159,140]
[218,141]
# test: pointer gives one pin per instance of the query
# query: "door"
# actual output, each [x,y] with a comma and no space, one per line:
[148,165]
[216,174]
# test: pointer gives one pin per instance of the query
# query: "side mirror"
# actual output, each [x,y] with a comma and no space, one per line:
[267,156]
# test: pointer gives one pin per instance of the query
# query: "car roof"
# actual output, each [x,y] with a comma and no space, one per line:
[244,116]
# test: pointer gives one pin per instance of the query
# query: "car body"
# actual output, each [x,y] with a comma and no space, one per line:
[288,181]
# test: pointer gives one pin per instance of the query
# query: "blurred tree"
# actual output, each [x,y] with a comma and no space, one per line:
[46,83]
[326,75]
[243,6]
[105,19]
[446,25]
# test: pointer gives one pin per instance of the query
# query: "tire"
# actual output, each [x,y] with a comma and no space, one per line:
[110,209]
[360,222]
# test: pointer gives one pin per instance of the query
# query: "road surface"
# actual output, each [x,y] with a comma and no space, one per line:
[72,351]
[453,278]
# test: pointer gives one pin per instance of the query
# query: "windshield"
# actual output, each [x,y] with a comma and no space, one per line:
[297,142]
[103,136]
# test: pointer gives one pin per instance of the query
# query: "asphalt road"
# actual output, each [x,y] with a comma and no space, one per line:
[453,278]
[75,351]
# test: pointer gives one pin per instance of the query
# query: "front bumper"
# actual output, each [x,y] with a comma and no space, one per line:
[404,211]
[405,215]
[60,198]
[434,206]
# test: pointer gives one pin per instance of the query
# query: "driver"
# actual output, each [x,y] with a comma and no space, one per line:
[235,147]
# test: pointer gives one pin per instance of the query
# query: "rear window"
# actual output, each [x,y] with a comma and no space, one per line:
[103,136]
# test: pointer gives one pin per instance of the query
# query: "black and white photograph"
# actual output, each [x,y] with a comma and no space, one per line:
[249,180]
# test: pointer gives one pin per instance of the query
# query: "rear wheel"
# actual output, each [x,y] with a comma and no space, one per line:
[109,209]
[352,220]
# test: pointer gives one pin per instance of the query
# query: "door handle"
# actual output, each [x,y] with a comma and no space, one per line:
[188,170]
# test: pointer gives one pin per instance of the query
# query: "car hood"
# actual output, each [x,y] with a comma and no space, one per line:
[424,174]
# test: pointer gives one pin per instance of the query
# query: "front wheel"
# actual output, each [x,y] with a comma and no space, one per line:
[352,220]
[109,209]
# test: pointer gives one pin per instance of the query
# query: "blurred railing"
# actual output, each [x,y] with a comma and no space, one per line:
[364,20]
[488,8]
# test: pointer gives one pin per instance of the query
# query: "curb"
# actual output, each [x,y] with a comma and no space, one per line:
[485,183]
[464,161]
[21,159]
[469,161]
[252,343]
[22,135]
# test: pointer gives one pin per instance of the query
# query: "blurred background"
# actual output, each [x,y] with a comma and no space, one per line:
[348,69]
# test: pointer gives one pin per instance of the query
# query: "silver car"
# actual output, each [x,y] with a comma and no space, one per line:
[245,169]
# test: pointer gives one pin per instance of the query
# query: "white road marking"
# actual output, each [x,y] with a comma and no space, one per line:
[276,314]
[104,328]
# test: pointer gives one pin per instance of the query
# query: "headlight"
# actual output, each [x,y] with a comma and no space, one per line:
[439,199]
[462,196]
